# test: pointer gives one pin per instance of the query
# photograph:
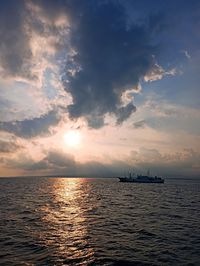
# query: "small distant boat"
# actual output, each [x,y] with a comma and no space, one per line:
[141,179]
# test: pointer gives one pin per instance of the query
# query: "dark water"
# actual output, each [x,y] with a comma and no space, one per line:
[58,221]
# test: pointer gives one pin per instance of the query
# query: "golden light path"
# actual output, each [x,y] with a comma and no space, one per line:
[64,216]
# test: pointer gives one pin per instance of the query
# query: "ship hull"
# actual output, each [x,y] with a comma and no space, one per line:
[135,180]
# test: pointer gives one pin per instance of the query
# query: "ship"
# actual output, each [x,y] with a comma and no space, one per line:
[141,179]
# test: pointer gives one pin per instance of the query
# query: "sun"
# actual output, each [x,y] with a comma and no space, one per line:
[72,138]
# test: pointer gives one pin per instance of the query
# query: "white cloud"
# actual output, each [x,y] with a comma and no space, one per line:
[186,53]
[157,73]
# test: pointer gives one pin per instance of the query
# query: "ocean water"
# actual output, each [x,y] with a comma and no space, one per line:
[78,221]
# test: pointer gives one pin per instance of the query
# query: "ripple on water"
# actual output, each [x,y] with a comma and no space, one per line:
[59,221]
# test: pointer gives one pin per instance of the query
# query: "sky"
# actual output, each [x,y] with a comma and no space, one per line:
[99,88]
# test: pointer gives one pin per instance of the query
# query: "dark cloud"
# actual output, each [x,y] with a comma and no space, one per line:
[57,162]
[124,112]
[32,128]
[95,121]
[56,158]
[8,146]
[15,53]
[110,56]
[54,162]
[139,124]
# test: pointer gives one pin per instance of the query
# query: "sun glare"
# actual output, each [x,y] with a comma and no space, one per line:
[72,138]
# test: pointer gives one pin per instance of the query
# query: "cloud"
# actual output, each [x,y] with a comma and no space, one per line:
[101,50]
[124,112]
[60,159]
[157,73]
[139,124]
[95,121]
[33,127]
[106,53]
[8,146]
[109,56]
[28,39]
[15,53]
[184,163]
[170,117]
[30,87]
[186,53]
[54,162]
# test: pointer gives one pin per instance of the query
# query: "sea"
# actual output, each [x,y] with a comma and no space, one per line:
[99,221]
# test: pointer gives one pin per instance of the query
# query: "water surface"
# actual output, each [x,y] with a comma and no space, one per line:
[76,221]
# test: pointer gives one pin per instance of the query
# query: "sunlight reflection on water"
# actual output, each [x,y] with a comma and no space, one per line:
[65,216]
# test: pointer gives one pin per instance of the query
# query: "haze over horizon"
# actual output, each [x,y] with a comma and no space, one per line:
[99,87]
